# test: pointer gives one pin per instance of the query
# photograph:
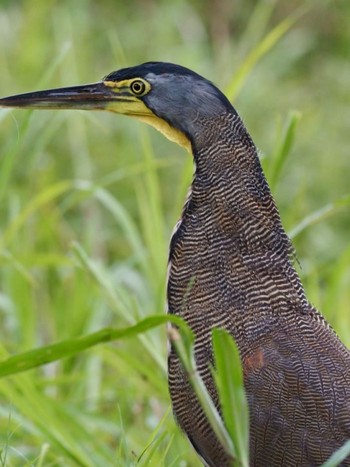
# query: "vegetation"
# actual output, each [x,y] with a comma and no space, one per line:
[88,202]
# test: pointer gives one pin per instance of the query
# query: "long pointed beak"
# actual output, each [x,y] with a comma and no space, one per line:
[88,97]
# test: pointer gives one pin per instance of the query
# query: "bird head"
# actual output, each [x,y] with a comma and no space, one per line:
[169,97]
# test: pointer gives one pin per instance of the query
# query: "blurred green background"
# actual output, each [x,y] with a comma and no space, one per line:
[88,202]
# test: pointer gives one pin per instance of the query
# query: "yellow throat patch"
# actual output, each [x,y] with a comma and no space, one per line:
[134,107]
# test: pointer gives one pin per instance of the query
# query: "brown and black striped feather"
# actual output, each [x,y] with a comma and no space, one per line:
[230,266]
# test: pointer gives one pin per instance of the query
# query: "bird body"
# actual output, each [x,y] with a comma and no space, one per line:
[230,266]
[231,244]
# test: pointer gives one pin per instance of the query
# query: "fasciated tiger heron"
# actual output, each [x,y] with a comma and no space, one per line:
[230,266]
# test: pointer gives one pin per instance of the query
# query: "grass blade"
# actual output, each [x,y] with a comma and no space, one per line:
[184,349]
[54,191]
[265,45]
[229,381]
[338,456]
[283,149]
[319,215]
[69,347]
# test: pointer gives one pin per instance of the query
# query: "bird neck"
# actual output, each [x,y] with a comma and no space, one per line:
[231,227]
[229,177]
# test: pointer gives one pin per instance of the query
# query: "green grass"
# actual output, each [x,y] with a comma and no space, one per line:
[88,203]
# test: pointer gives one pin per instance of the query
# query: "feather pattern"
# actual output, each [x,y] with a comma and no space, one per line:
[230,266]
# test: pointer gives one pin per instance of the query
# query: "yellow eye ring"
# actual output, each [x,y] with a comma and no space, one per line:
[138,87]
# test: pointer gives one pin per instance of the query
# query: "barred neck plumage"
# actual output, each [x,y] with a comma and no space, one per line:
[228,168]
[230,254]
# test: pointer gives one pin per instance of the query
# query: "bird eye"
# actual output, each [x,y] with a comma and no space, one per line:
[138,87]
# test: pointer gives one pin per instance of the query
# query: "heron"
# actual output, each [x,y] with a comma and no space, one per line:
[231,267]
